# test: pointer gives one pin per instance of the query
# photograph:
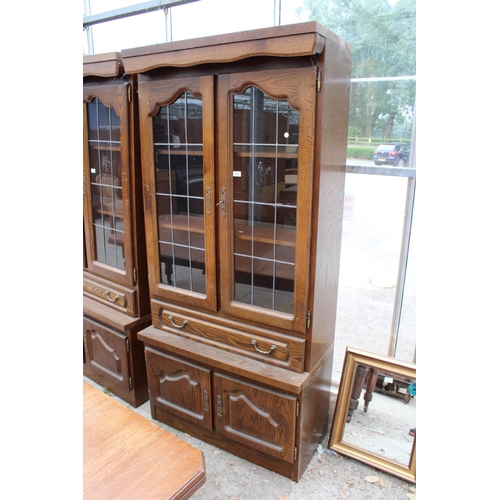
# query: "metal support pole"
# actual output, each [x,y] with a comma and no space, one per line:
[132,10]
[405,245]
[168,24]
[88,29]
[277,12]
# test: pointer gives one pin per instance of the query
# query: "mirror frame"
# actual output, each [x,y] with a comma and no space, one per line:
[353,357]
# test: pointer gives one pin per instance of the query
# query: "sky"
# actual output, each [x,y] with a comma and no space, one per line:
[200,18]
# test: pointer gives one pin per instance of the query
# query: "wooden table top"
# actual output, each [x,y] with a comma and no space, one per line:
[128,457]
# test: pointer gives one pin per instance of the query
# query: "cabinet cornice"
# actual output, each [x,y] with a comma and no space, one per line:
[103,65]
[282,41]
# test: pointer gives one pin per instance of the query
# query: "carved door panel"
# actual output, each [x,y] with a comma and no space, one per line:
[179,387]
[256,417]
[106,352]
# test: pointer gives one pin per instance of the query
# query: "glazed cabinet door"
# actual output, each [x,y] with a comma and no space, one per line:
[266,154]
[179,387]
[106,190]
[177,148]
[262,419]
[106,354]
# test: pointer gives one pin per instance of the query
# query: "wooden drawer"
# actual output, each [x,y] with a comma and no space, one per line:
[120,298]
[264,345]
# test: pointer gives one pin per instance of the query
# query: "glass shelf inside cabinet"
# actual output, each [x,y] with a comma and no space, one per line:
[178,145]
[106,181]
[265,163]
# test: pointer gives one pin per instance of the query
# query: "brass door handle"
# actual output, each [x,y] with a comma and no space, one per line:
[207,200]
[205,400]
[174,324]
[222,201]
[219,405]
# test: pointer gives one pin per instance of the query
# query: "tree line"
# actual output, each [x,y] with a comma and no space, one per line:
[383,37]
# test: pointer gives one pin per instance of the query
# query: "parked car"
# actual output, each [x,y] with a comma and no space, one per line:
[392,154]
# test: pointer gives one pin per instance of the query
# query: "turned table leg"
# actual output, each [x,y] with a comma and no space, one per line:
[371,381]
[359,382]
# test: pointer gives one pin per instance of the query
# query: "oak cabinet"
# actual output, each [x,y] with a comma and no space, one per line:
[115,288]
[243,145]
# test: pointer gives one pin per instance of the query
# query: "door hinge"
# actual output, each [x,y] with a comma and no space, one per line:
[135,275]
[297,407]
[129,93]
[127,343]
[295,454]
[318,80]
[130,383]
[308,319]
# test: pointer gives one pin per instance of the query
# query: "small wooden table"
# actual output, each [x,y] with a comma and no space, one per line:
[128,457]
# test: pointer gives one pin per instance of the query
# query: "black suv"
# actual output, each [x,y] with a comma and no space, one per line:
[391,154]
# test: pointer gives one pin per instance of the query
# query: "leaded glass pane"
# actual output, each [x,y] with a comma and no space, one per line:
[178,146]
[106,183]
[265,155]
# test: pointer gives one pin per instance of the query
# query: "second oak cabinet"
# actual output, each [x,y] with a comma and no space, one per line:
[116,301]
[243,145]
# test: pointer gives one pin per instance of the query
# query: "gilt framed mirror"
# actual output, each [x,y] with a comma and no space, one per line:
[375,415]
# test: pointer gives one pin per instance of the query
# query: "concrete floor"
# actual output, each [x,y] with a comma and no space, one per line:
[329,475]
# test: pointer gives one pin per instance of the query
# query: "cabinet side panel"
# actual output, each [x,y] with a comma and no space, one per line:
[315,412]
[139,240]
[331,148]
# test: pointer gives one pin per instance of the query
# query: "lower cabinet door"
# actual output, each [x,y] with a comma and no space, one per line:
[256,417]
[106,353]
[179,387]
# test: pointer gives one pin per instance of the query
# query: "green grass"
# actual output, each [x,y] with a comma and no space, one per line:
[361,152]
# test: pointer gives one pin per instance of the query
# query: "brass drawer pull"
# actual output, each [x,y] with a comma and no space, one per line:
[273,348]
[108,296]
[174,324]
